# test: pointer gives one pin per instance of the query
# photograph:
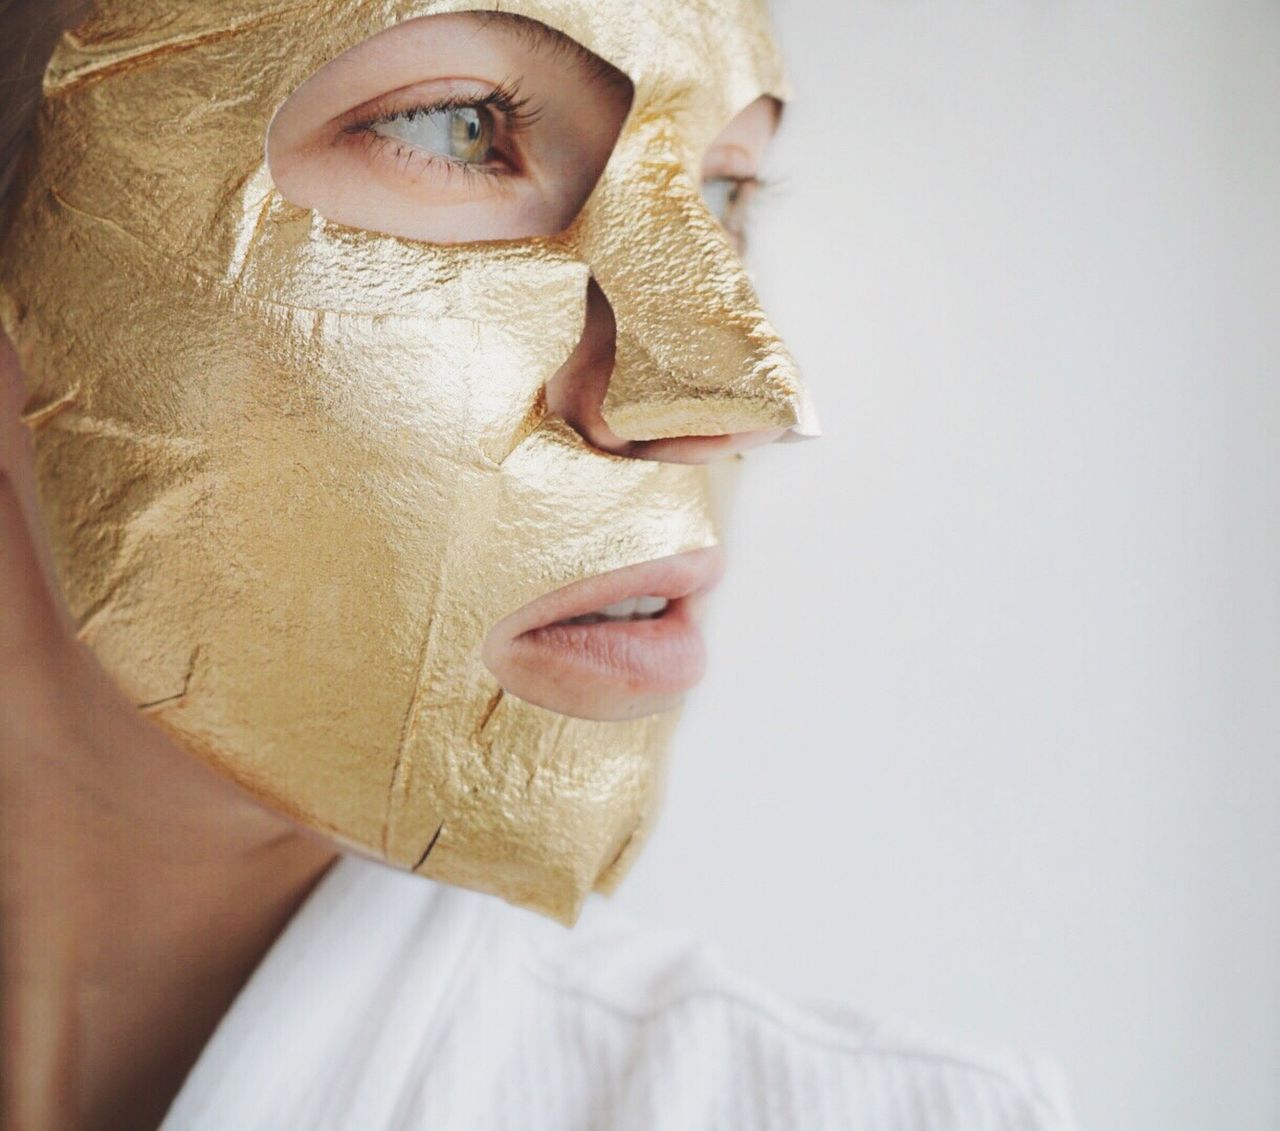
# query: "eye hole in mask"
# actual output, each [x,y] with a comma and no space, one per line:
[452,129]
[463,127]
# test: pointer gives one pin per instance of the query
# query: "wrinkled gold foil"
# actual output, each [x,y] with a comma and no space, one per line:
[293,472]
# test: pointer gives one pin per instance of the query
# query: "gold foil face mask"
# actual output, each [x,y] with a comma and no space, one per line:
[293,472]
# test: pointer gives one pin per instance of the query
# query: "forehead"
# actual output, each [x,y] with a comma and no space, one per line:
[717,51]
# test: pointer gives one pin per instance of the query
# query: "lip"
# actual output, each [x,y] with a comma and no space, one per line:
[609,670]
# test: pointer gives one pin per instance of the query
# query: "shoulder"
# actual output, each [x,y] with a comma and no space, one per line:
[391,1002]
[695,1031]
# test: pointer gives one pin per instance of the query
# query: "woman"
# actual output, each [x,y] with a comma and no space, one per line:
[374,357]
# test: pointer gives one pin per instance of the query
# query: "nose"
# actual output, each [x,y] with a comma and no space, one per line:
[676,362]
[579,391]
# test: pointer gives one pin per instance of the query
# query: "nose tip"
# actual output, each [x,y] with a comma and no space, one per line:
[702,361]
[695,356]
[580,389]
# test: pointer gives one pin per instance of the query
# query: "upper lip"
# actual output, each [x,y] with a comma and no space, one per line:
[682,575]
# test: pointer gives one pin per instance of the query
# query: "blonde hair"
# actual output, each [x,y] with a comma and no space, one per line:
[28,31]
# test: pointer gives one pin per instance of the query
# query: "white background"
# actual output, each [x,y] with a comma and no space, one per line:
[990,740]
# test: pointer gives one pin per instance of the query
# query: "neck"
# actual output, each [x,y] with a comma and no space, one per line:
[138,891]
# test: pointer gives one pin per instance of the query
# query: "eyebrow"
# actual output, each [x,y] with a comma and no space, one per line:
[547,40]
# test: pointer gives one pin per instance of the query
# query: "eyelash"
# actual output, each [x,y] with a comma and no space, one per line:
[514,114]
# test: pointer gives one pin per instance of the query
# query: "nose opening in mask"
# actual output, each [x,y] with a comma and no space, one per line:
[702,423]
[693,354]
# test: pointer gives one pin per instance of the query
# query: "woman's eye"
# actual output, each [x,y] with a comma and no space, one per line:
[729,198]
[718,193]
[463,134]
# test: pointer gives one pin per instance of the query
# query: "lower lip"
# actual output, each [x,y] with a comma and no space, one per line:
[660,656]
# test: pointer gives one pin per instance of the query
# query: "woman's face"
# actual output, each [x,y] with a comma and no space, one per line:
[376,470]
[462,127]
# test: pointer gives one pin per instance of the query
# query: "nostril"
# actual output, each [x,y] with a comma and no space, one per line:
[704,449]
[577,390]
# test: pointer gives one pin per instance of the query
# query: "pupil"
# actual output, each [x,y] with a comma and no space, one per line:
[469,133]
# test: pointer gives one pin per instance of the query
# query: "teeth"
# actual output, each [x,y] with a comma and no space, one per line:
[620,610]
[635,608]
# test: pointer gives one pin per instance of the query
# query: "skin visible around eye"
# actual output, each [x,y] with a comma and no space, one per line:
[449,129]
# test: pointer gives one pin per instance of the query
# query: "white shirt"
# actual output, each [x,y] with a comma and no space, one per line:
[392,1002]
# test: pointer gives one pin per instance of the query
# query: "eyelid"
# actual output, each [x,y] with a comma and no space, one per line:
[516,111]
[749,182]
[731,161]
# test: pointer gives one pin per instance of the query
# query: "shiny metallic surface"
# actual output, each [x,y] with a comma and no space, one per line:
[292,472]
